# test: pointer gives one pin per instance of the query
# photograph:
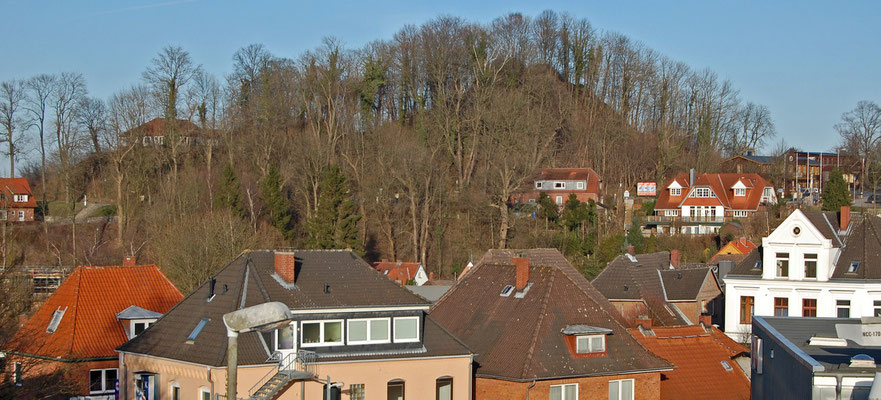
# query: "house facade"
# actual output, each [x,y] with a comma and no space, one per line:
[17,201]
[815,264]
[67,347]
[559,184]
[807,170]
[354,329]
[701,203]
[540,330]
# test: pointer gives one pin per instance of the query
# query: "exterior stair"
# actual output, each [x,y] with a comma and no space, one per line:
[294,367]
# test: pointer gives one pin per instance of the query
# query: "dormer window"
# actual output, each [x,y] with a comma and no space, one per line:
[853,267]
[739,192]
[20,198]
[538,185]
[702,193]
[559,185]
[137,327]
[579,185]
[590,344]
[676,192]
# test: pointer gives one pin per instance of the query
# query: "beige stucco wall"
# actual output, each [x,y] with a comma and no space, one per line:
[419,376]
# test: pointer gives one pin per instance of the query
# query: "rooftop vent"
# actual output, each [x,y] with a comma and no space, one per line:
[862,361]
[827,341]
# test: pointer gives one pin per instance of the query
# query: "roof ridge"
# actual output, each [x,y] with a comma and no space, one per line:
[544,306]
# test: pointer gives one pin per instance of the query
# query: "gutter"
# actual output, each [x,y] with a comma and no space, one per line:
[547,378]
[66,360]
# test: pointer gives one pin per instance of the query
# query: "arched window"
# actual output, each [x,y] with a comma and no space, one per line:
[444,388]
[174,391]
[396,389]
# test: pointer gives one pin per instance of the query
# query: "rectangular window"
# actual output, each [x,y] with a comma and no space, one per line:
[740,192]
[407,329]
[701,192]
[675,192]
[741,214]
[559,200]
[198,329]
[321,333]
[16,373]
[843,308]
[102,380]
[590,344]
[356,391]
[284,338]
[395,390]
[877,304]
[559,185]
[206,395]
[810,265]
[621,389]
[564,392]
[809,307]
[175,393]
[781,307]
[579,185]
[671,213]
[364,331]
[747,307]
[538,185]
[782,265]
[444,389]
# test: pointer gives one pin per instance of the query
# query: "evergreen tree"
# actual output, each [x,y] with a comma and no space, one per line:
[228,192]
[276,202]
[546,208]
[835,193]
[335,224]
[634,235]
[574,213]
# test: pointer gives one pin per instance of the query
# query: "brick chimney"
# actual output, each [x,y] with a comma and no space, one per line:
[706,319]
[675,258]
[631,250]
[285,266]
[643,321]
[844,217]
[522,272]
[431,276]
[129,261]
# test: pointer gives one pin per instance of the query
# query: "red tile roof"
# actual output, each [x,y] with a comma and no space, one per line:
[399,271]
[92,296]
[697,356]
[13,186]
[721,184]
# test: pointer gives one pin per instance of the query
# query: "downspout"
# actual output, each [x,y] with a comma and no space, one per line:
[210,381]
[529,387]
[123,380]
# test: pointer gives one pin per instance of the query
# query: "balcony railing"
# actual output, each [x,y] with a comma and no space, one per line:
[714,219]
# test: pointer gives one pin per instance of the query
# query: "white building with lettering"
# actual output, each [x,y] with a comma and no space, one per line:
[815,264]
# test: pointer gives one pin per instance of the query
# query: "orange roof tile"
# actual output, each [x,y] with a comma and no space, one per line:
[91,297]
[721,184]
[12,186]
[401,271]
[697,356]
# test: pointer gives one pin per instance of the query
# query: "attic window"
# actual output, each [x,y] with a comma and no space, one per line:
[853,267]
[579,185]
[739,192]
[20,198]
[590,344]
[56,319]
[507,291]
[675,192]
[726,366]
[538,185]
[559,185]
[197,330]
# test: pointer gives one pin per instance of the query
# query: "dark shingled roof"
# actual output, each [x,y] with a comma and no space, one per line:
[353,283]
[747,266]
[863,244]
[651,280]
[827,223]
[520,338]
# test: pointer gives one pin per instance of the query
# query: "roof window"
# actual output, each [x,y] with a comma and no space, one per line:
[853,267]
[726,365]
[507,291]
[197,330]
[56,319]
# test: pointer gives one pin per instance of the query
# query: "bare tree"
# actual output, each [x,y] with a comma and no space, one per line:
[170,71]
[12,97]
[860,131]
[40,90]
[751,127]
[92,117]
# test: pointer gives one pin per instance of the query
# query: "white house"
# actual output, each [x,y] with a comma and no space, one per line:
[815,264]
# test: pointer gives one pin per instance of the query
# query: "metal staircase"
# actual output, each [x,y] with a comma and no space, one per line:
[291,367]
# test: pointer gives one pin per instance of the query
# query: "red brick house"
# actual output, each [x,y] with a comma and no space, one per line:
[559,184]
[17,202]
[70,341]
[540,330]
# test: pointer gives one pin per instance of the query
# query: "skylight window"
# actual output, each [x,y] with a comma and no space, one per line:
[507,291]
[853,267]
[197,330]
[56,319]
[758,265]
[726,366]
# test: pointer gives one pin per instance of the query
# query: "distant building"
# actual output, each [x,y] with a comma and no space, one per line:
[17,202]
[540,330]
[807,170]
[814,358]
[75,332]
[559,184]
[402,272]
[747,163]
[155,133]
[702,203]
[660,288]
[738,248]
[701,353]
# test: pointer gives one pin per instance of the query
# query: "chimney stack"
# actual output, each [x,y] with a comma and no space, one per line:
[631,250]
[844,217]
[691,177]
[211,284]
[129,261]
[706,320]
[644,321]
[522,272]
[675,258]
[285,266]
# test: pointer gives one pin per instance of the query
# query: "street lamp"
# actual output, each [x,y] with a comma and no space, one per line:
[262,317]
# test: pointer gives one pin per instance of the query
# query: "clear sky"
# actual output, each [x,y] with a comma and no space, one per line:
[808,61]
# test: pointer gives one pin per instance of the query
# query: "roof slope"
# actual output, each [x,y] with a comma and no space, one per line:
[721,184]
[92,296]
[520,338]
[698,356]
[13,186]
[751,265]
[863,244]
[397,270]
[249,280]
[827,223]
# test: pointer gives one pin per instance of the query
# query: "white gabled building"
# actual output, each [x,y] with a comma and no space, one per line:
[815,264]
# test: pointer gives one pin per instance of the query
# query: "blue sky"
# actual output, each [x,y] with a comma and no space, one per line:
[808,61]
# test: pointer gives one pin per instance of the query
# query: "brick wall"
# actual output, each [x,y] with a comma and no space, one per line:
[646,386]
[42,377]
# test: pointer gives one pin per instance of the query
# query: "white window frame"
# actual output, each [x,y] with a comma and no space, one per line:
[203,391]
[563,390]
[357,395]
[370,322]
[131,326]
[741,213]
[618,382]
[559,185]
[406,340]
[20,198]
[589,349]
[579,185]
[702,193]
[171,388]
[321,323]
[559,200]
[671,213]
[16,373]
[293,326]
[538,185]
[103,380]
[739,192]
[675,191]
